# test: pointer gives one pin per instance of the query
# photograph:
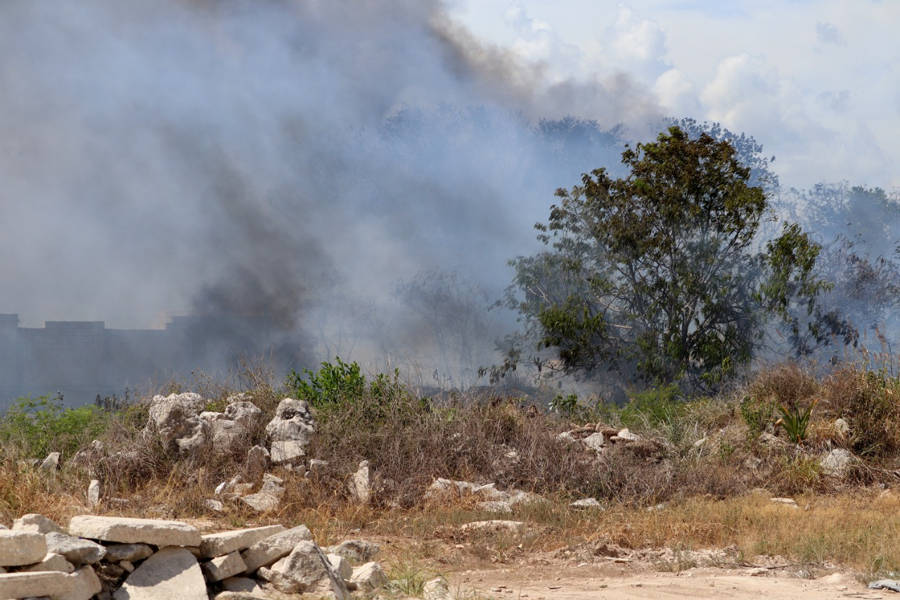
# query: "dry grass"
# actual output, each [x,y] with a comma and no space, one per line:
[700,458]
[858,530]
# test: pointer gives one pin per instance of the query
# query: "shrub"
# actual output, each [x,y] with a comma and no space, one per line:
[331,384]
[757,413]
[870,402]
[795,420]
[39,426]
[653,407]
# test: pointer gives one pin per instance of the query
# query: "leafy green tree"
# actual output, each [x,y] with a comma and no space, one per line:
[660,274]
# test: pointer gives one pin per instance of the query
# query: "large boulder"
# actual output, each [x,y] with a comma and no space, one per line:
[235,427]
[220,544]
[223,567]
[18,548]
[267,551]
[369,577]
[170,573]
[35,523]
[269,495]
[305,570]
[356,551]
[76,550]
[290,430]
[176,420]
[127,530]
[52,562]
[837,462]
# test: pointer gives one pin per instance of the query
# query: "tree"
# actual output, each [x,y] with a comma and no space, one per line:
[660,274]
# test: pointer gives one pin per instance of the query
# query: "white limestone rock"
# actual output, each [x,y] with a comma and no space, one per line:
[19,548]
[436,589]
[176,420]
[360,483]
[76,550]
[290,430]
[267,551]
[368,577]
[493,526]
[53,562]
[227,431]
[269,495]
[595,442]
[837,462]
[356,551]
[223,567]
[127,552]
[242,584]
[35,523]
[51,463]
[257,463]
[93,493]
[628,436]
[226,542]
[305,570]
[340,565]
[260,595]
[37,584]
[83,584]
[785,501]
[126,530]
[586,504]
[170,573]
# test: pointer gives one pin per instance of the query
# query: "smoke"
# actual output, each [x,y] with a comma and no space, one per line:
[293,160]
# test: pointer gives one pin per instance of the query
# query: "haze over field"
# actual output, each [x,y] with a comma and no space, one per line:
[360,172]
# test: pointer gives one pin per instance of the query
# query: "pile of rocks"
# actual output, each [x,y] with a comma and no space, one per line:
[488,497]
[181,421]
[118,558]
[604,440]
[598,437]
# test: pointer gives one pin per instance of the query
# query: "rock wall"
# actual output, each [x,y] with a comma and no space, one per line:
[119,558]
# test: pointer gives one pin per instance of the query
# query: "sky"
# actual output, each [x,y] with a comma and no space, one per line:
[816,82]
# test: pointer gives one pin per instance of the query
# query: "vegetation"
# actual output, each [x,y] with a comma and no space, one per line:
[659,276]
[663,277]
[38,426]
[701,456]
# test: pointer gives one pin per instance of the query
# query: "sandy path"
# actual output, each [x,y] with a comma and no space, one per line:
[582,584]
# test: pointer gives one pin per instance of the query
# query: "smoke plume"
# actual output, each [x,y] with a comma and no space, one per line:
[309,162]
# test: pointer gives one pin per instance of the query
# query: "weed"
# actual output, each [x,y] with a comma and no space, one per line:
[653,407]
[756,414]
[38,426]
[408,578]
[332,384]
[795,420]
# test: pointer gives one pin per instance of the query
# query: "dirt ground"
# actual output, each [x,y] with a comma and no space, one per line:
[611,583]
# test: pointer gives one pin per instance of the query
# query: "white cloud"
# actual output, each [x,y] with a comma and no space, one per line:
[639,44]
[677,94]
[816,83]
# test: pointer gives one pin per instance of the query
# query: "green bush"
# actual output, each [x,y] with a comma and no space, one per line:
[757,413]
[795,420]
[37,426]
[341,388]
[870,402]
[332,384]
[653,407]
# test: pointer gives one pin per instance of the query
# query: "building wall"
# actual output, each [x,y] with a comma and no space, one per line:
[81,359]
